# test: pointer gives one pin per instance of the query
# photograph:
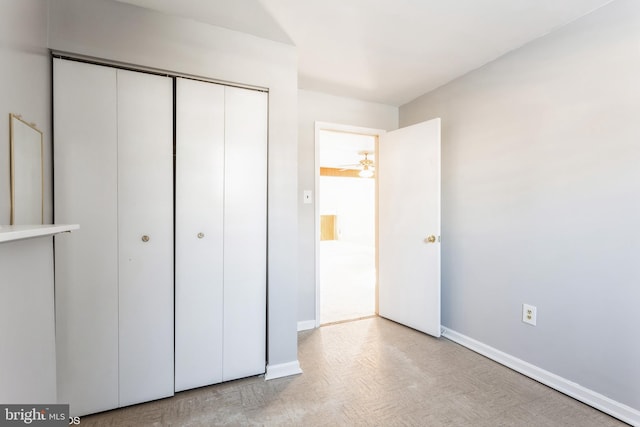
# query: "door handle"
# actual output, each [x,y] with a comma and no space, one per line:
[430,239]
[145,238]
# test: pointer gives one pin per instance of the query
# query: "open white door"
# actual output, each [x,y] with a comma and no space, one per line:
[408,173]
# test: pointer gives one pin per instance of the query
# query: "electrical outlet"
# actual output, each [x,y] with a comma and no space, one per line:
[529,314]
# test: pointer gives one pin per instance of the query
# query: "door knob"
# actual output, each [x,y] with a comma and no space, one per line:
[430,239]
[200,235]
[145,238]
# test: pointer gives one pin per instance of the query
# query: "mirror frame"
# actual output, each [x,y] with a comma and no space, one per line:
[12,153]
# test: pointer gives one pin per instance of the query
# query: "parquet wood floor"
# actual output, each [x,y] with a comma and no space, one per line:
[371,372]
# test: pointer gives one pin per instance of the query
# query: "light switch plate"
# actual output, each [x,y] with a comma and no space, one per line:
[307,197]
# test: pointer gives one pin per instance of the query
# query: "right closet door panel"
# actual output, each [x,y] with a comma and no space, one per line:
[221,233]
[199,233]
[245,233]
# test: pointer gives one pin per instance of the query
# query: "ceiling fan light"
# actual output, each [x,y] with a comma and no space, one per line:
[365,173]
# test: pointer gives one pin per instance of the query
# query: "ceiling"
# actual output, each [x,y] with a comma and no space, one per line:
[345,150]
[386,51]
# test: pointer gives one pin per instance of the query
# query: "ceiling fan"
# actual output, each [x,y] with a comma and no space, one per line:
[365,165]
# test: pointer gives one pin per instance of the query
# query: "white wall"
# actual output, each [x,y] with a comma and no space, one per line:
[541,201]
[312,107]
[128,34]
[25,85]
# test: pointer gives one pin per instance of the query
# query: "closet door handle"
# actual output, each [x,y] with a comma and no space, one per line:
[145,238]
[200,235]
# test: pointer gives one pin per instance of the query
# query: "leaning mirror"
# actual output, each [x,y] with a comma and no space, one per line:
[26,172]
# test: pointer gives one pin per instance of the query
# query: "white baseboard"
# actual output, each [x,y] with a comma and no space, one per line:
[282,370]
[305,325]
[615,409]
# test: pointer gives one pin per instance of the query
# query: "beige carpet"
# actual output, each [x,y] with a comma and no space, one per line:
[371,372]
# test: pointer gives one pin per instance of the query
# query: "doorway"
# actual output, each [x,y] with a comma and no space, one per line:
[346,223]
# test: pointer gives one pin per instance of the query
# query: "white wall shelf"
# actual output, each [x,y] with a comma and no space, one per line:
[10,233]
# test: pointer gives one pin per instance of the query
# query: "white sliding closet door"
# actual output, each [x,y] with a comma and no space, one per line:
[199,232]
[245,233]
[85,159]
[145,245]
[221,226]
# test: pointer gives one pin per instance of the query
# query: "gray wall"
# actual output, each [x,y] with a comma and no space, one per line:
[25,85]
[312,107]
[541,201]
[128,34]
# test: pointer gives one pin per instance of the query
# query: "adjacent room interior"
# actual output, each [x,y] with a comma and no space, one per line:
[347,205]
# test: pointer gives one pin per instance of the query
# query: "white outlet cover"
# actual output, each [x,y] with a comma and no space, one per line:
[529,314]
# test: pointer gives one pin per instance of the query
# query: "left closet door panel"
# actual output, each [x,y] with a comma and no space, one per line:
[199,288]
[86,267]
[145,229]
[113,172]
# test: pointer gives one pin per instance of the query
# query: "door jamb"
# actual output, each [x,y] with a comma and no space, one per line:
[320,126]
